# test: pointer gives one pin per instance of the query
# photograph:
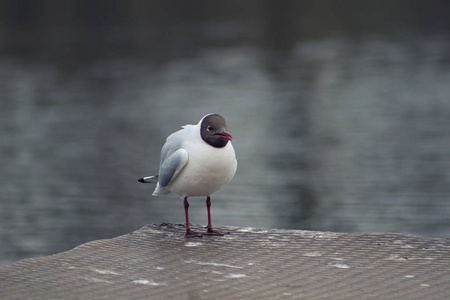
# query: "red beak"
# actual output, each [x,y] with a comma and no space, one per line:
[225,135]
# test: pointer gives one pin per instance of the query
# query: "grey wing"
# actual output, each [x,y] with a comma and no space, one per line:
[171,166]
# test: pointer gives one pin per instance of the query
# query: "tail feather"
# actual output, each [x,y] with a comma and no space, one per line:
[149,179]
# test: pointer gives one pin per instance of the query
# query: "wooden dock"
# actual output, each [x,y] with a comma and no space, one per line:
[157,262]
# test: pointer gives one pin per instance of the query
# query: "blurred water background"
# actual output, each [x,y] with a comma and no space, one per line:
[340,113]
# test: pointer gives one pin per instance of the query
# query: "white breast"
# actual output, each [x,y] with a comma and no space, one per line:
[208,169]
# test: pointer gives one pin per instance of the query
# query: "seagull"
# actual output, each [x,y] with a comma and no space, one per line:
[196,161]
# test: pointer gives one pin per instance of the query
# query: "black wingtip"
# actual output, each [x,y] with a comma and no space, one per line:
[149,179]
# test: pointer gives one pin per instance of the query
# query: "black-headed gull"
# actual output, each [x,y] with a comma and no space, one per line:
[196,161]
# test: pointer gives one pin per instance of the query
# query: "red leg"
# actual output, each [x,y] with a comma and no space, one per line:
[189,233]
[209,229]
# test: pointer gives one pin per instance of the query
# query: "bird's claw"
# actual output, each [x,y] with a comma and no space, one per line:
[192,234]
[210,231]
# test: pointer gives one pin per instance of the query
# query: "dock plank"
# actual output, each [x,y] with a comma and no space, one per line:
[157,262]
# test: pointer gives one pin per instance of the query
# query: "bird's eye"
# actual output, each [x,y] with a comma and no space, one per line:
[209,128]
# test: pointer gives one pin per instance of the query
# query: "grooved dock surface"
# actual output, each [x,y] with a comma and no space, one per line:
[157,262]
